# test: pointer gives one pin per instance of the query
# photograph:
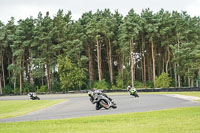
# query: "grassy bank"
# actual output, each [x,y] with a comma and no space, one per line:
[20,107]
[180,120]
[187,93]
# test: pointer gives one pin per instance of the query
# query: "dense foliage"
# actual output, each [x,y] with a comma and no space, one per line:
[102,48]
[163,81]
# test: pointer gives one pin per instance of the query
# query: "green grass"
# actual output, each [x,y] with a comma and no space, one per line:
[20,107]
[179,120]
[189,93]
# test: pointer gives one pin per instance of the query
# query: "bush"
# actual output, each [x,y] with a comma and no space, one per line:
[101,84]
[140,85]
[16,91]
[27,87]
[163,81]
[42,89]
[56,87]
[119,82]
[114,87]
[7,90]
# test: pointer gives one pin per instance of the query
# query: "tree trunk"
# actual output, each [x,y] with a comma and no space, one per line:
[51,77]
[144,66]
[20,78]
[153,61]
[159,60]
[189,82]
[27,70]
[9,74]
[168,56]
[132,62]
[14,73]
[99,59]
[110,65]
[149,66]
[1,92]
[42,80]
[175,75]
[144,60]
[91,67]
[163,64]
[141,66]
[122,70]
[192,82]
[15,81]
[170,69]
[179,81]
[3,72]
[48,79]
[120,63]
[20,83]
[179,78]
[30,68]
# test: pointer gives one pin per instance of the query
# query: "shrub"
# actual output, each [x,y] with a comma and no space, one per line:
[27,87]
[114,87]
[56,87]
[101,84]
[149,84]
[163,81]
[119,83]
[140,85]
[42,89]
[16,91]
[7,90]
[123,80]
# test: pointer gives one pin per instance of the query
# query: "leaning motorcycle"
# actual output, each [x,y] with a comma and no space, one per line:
[134,93]
[102,102]
[33,96]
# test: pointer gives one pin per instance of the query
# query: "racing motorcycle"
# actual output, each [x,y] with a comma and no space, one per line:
[133,92]
[33,96]
[101,101]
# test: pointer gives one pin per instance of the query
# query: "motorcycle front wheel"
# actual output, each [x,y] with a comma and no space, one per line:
[114,106]
[136,94]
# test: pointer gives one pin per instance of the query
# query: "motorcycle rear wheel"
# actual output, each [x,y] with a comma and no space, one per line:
[114,106]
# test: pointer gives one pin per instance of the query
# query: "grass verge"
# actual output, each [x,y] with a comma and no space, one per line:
[179,120]
[14,108]
[187,93]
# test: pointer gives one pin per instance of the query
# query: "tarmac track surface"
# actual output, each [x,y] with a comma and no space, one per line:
[81,106]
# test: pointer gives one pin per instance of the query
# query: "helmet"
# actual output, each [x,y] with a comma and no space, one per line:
[128,88]
[90,93]
[93,89]
[98,92]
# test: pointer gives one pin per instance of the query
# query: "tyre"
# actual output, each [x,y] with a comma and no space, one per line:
[98,106]
[114,106]
[136,94]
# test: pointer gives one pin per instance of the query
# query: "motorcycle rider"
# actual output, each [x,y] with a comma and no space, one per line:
[33,96]
[95,91]
[131,90]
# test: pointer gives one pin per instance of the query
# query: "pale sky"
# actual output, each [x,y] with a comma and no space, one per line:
[21,9]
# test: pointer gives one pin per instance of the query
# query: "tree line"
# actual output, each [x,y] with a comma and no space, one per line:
[101,49]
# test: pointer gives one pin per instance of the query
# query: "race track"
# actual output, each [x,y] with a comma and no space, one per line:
[80,106]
